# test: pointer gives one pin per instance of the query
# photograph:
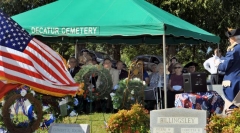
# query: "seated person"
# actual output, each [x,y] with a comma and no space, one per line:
[175,81]
[190,67]
[153,75]
[156,82]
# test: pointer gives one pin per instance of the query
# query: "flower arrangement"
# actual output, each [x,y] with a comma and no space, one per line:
[128,92]
[227,124]
[90,91]
[136,120]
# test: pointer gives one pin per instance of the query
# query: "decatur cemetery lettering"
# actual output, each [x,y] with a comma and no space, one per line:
[65,30]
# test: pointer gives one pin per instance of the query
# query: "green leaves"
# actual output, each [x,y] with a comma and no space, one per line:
[128,93]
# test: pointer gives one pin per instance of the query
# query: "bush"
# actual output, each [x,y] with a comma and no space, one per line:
[228,124]
[136,120]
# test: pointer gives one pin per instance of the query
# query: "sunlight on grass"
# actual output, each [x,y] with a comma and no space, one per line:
[95,120]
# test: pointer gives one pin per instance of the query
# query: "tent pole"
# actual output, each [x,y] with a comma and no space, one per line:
[76,48]
[164,68]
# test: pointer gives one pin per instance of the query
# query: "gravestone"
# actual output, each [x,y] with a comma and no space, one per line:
[69,128]
[178,120]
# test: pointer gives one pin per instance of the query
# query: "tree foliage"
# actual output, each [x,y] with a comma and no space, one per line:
[211,15]
[13,7]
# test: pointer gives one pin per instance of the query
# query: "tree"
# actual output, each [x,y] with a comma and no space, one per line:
[13,7]
[212,15]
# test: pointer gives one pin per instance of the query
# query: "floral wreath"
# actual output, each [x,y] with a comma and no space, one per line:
[90,91]
[128,92]
[34,112]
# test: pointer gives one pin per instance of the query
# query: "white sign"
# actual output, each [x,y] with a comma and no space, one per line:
[163,130]
[177,120]
[65,30]
[191,130]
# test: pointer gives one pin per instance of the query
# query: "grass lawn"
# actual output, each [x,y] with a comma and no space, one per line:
[95,120]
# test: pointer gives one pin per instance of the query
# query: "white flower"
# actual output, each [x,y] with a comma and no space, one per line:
[115,87]
[35,116]
[112,94]
[23,92]
[73,113]
[11,116]
[132,92]
[33,92]
[3,102]
[144,83]
[45,108]
[137,79]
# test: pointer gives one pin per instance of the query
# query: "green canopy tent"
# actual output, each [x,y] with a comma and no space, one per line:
[111,21]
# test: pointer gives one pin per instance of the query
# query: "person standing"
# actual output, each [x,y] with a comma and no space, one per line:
[230,65]
[73,67]
[173,60]
[216,77]
[107,64]
[85,57]
[122,73]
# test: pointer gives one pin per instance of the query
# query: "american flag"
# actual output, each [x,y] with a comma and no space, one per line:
[25,60]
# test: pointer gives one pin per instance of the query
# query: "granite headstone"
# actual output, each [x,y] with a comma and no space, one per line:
[69,128]
[178,120]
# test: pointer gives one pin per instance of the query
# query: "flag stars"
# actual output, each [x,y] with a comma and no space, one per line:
[12,35]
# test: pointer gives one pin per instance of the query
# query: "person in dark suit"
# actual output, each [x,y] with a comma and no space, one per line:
[122,73]
[73,67]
